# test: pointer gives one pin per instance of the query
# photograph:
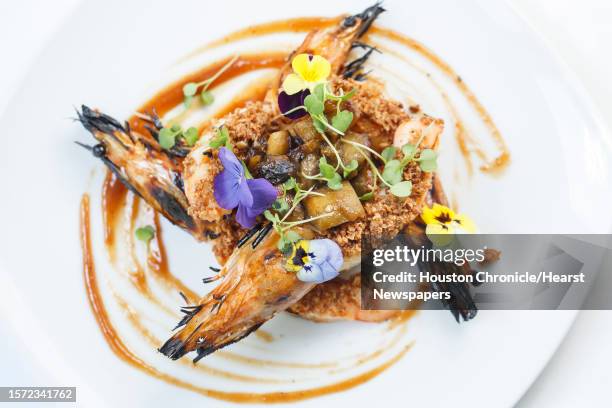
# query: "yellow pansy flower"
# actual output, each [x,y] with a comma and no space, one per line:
[299,256]
[443,223]
[308,71]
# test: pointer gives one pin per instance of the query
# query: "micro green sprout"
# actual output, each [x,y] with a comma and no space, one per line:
[145,234]
[393,171]
[168,136]
[190,89]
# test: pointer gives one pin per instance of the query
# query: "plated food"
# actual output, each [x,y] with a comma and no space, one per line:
[289,185]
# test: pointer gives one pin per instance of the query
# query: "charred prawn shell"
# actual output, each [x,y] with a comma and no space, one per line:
[367,17]
[141,165]
[354,68]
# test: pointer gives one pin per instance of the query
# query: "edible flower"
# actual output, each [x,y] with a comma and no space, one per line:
[443,223]
[291,106]
[308,71]
[232,188]
[315,261]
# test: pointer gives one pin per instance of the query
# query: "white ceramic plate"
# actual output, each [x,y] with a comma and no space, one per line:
[111,55]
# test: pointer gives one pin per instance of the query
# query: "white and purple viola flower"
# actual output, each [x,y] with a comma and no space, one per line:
[315,261]
[232,188]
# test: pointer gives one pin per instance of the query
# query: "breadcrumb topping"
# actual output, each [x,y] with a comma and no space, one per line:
[375,114]
[338,299]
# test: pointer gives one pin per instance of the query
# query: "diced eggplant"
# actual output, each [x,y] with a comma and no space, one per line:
[298,213]
[278,143]
[309,167]
[379,139]
[254,161]
[364,181]
[343,205]
[305,131]
[347,151]
[328,153]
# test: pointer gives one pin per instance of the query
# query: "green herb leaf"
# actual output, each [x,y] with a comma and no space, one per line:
[409,150]
[389,153]
[392,173]
[270,217]
[190,89]
[280,205]
[349,94]
[327,170]
[335,183]
[428,160]
[313,105]
[221,139]
[403,189]
[167,138]
[191,136]
[428,166]
[319,92]
[145,234]
[367,196]
[284,245]
[292,236]
[342,120]
[428,154]
[351,167]
[344,97]
[207,97]
[223,131]
[318,125]
[176,128]
[289,184]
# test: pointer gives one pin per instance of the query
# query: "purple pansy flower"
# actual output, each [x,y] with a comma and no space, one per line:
[232,189]
[288,102]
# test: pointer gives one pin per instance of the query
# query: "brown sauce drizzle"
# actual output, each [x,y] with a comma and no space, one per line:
[114,203]
[494,166]
[125,354]
[158,263]
[253,92]
[264,335]
[114,195]
[172,95]
[294,25]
